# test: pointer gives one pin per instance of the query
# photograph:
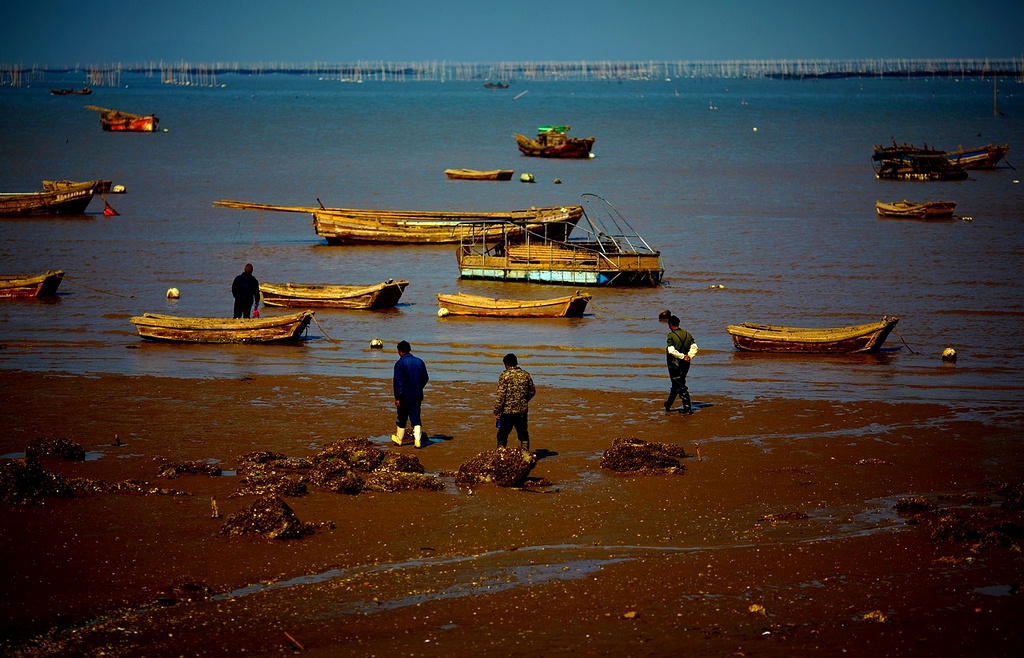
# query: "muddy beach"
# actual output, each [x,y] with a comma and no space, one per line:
[793,527]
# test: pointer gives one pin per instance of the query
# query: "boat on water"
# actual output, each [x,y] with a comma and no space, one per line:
[919,167]
[554,142]
[980,157]
[911,210]
[118,121]
[476,174]
[379,295]
[264,329]
[56,198]
[84,91]
[342,226]
[496,85]
[26,286]
[835,340]
[569,306]
[605,251]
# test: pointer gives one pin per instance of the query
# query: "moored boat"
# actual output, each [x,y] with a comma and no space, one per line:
[836,340]
[554,142]
[496,85]
[56,198]
[341,226]
[379,295]
[598,256]
[25,286]
[265,329]
[476,174]
[84,91]
[981,157]
[910,210]
[920,167]
[570,306]
[118,121]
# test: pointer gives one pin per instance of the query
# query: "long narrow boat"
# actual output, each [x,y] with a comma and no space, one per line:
[600,256]
[838,340]
[981,157]
[911,210]
[570,306]
[118,121]
[379,295]
[84,91]
[56,198]
[22,286]
[341,226]
[266,329]
[476,174]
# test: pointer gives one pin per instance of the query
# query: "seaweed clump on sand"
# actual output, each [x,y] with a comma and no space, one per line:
[24,481]
[59,448]
[631,455]
[173,470]
[503,466]
[970,520]
[272,473]
[269,517]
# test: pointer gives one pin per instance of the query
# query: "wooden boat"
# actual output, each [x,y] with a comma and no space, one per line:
[911,210]
[266,329]
[597,257]
[20,286]
[919,166]
[84,91]
[117,121]
[475,174]
[496,85]
[838,340]
[57,198]
[981,157]
[570,306]
[341,226]
[554,142]
[380,295]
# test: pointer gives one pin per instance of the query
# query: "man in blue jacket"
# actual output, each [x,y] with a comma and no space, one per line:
[410,378]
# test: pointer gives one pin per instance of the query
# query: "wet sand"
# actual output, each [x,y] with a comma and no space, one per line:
[781,539]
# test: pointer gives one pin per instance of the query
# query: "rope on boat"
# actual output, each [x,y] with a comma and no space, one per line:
[618,315]
[105,292]
[905,342]
[329,339]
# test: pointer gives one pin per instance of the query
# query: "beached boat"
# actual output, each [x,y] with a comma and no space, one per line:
[341,226]
[56,198]
[910,210]
[379,295]
[918,166]
[84,91]
[265,329]
[476,174]
[117,121]
[554,142]
[22,286]
[570,306]
[981,157]
[605,252]
[837,340]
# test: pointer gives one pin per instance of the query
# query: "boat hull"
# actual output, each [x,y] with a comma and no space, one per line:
[58,198]
[910,210]
[563,263]
[474,174]
[571,306]
[572,148]
[116,123]
[27,287]
[839,340]
[303,295]
[175,329]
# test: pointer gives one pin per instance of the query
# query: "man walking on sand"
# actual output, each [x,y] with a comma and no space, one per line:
[678,352]
[512,402]
[409,380]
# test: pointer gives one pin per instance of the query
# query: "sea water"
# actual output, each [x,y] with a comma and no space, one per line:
[759,194]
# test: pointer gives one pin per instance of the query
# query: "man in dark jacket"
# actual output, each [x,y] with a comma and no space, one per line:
[679,350]
[246,291]
[410,378]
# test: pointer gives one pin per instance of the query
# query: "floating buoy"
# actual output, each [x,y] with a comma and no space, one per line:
[525,178]
[949,355]
[172,293]
[117,189]
[558,181]
[441,312]
[376,344]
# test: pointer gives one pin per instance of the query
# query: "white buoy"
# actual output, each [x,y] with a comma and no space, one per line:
[117,189]
[172,293]
[441,312]
[525,178]
[376,344]
[949,355]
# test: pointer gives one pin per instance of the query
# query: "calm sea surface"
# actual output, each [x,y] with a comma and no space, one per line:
[759,194]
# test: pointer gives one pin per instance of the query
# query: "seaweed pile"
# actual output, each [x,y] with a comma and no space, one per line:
[973,519]
[631,455]
[503,466]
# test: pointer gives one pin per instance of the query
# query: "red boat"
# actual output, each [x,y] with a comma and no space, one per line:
[117,121]
[553,142]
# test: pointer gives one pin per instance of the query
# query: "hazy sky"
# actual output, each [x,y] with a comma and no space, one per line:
[66,32]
